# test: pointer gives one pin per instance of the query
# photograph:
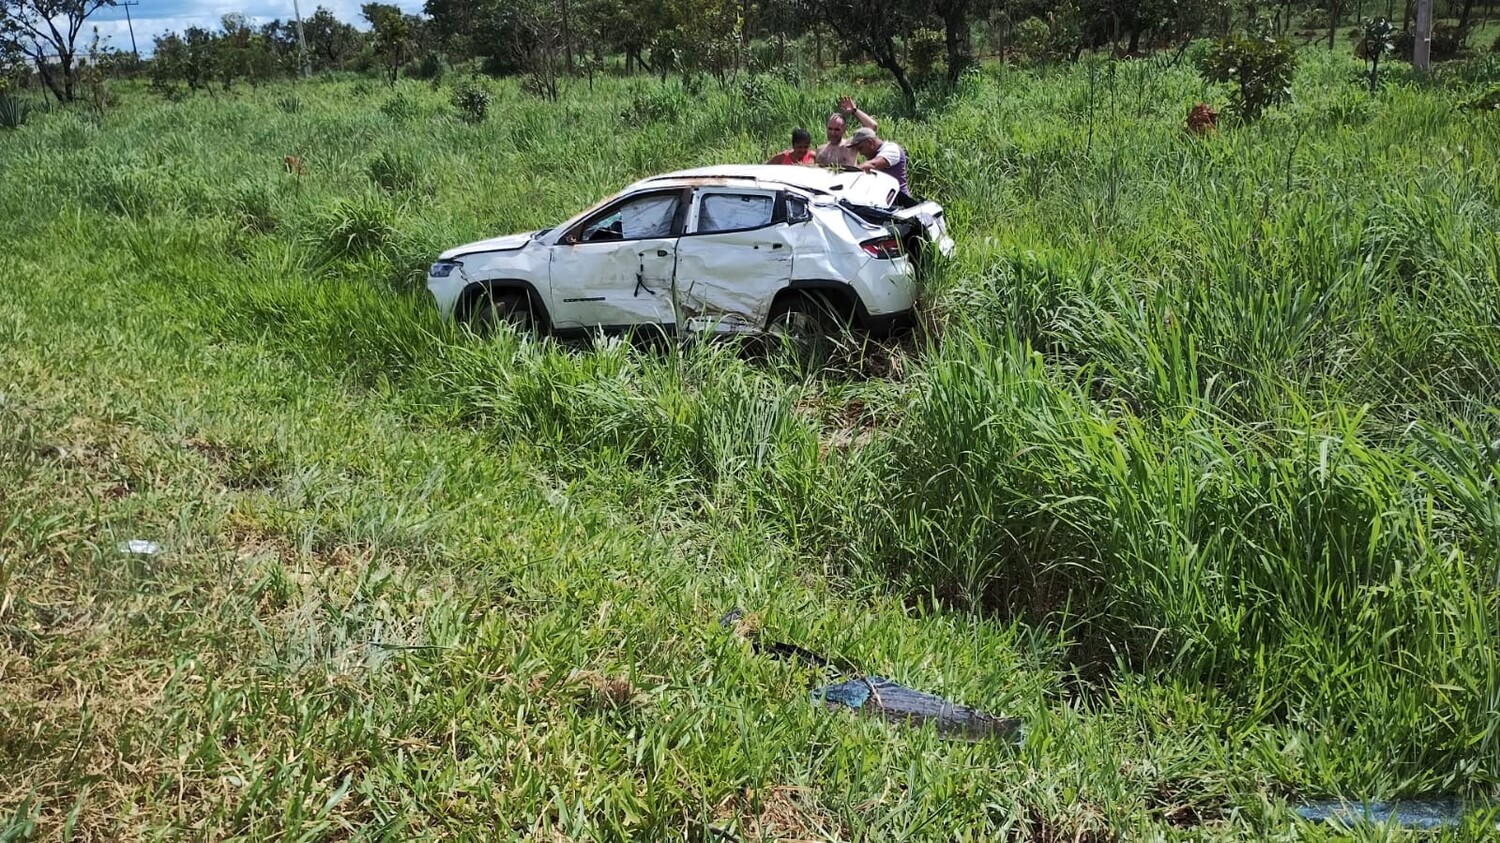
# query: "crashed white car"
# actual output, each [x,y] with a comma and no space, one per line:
[731,249]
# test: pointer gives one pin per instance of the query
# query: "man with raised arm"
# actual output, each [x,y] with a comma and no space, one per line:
[834,153]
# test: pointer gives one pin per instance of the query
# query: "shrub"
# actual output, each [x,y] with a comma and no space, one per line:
[1030,38]
[755,91]
[1377,40]
[1259,69]
[924,49]
[289,105]
[1495,47]
[472,102]
[431,67]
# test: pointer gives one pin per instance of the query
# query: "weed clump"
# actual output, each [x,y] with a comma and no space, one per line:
[355,228]
[127,190]
[394,171]
[655,105]
[253,205]
[432,67]
[399,107]
[14,111]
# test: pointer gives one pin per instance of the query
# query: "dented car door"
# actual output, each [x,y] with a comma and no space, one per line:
[733,259]
[615,269]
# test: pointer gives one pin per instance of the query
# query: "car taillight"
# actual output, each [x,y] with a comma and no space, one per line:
[884,248]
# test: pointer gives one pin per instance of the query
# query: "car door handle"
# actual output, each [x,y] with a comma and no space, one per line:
[776,245]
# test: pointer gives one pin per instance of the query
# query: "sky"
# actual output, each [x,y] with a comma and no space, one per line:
[155,17]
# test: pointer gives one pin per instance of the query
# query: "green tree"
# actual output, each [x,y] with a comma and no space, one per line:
[232,49]
[460,25]
[699,35]
[955,15]
[627,27]
[168,64]
[871,26]
[330,41]
[529,37]
[46,32]
[392,38]
[280,41]
[198,64]
[12,64]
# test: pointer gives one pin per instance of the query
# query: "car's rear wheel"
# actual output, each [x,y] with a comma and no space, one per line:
[807,326]
[491,309]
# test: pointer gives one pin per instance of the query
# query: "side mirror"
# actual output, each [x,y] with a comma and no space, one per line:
[798,212]
[571,238]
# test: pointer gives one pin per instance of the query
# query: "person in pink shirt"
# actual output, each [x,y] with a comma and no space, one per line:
[801,151]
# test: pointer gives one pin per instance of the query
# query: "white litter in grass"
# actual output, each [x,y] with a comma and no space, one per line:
[140,547]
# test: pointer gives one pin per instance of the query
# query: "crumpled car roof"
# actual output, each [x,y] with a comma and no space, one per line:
[873,189]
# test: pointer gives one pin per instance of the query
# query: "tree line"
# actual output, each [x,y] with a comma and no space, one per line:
[545,40]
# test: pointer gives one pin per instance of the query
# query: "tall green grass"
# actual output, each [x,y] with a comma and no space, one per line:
[1212,417]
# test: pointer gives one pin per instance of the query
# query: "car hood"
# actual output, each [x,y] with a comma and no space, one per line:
[507,243]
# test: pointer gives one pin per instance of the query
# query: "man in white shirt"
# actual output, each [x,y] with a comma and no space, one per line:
[886,156]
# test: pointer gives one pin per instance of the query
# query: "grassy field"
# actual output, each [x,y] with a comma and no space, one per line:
[1192,468]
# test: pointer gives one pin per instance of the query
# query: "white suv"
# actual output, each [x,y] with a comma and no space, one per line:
[733,249]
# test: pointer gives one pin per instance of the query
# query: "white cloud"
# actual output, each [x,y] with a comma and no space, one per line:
[157,17]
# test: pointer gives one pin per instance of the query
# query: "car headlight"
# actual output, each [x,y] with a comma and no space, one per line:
[442,269]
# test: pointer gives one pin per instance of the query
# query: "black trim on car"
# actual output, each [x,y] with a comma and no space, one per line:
[890,324]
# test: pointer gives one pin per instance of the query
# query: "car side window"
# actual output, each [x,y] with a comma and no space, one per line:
[796,209]
[734,212]
[638,218]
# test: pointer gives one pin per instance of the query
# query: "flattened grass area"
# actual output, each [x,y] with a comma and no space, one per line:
[1193,471]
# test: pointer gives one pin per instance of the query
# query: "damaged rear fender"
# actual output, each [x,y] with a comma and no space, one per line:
[840,296]
[850,307]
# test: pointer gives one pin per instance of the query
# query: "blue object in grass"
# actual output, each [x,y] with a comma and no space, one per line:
[878,696]
[1422,814]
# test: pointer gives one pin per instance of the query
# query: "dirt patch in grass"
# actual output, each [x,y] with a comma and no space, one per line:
[782,813]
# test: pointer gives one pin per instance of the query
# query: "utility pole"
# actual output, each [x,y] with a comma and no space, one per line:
[301,41]
[1421,51]
[129,24]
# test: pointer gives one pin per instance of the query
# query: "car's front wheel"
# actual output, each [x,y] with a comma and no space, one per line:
[491,309]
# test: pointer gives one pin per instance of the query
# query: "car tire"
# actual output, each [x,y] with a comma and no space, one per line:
[491,309]
[807,325]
